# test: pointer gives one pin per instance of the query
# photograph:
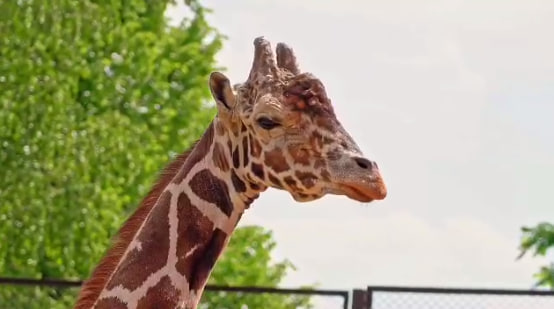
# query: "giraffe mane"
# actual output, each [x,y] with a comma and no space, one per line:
[93,287]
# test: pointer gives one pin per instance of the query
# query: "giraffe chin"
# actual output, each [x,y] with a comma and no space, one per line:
[303,198]
[363,193]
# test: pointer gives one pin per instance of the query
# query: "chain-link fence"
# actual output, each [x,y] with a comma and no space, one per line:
[442,298]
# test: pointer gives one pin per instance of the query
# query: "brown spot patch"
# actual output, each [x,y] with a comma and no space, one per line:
[154,240]
[316,140]
[344,144]
[328,141]
[110,303]
[245,154]
[325,175]
[274,180]
[235,128]
[258,170]
[334,154]
[319,163]
[326,123]
[162,295]
[299,154]
[220,160]
[255,147]
[251,199]
[302,195]
[254,186]
[306,178]
[300,104]
[276,161]
[212,189]
[305,92]
[239,185]
[219,128]
[291,183]
[194,229]
[209,258]
[236,158]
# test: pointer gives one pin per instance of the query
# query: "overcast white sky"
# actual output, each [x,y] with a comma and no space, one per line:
[453,99]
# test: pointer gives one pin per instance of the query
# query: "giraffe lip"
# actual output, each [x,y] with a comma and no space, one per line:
[364,193]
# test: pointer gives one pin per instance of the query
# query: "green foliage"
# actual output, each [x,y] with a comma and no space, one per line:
[540,239]
[95,97]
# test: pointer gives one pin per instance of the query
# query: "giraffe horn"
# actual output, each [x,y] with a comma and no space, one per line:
[264,63]
[286,58]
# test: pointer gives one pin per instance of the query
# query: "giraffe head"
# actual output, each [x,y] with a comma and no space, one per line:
[282,132]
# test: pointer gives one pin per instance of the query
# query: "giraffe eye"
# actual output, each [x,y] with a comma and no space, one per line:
[267,123]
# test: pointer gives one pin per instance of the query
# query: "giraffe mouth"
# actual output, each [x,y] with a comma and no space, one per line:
[364,193]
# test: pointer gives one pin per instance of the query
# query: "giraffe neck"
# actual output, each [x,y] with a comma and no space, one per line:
[173,250]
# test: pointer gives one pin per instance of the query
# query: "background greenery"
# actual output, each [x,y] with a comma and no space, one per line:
[95,97]
[540,240]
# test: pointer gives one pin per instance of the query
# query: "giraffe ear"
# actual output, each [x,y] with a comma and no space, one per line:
[222,91]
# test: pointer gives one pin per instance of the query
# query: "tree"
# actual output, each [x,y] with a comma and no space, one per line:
[95,98]
[540,239]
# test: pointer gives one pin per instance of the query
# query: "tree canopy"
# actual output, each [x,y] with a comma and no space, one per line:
[95,98]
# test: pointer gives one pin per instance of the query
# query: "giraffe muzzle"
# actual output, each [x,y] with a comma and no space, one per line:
[361,181]
[364,193]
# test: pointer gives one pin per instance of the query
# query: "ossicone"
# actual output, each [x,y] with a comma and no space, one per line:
[266,64]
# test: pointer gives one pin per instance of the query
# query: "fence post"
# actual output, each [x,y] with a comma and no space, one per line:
[360,299]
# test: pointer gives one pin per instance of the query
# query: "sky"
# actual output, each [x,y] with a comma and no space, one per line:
[455,102]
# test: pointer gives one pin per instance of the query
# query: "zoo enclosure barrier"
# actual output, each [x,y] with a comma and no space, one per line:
[342,302]
[387,297]
[374,297]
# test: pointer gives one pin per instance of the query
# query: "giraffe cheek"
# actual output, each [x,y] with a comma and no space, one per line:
[307,179]
[299,155]
[276,161]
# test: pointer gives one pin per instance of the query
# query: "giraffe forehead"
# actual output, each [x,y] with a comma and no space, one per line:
[302,92]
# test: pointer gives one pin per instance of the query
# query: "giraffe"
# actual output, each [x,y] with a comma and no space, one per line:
[278,129]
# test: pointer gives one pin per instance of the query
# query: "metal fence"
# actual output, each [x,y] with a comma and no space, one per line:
[382,297]
[328,299]
[374,297]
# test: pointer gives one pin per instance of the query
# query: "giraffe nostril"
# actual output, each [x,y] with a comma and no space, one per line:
[365,163]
